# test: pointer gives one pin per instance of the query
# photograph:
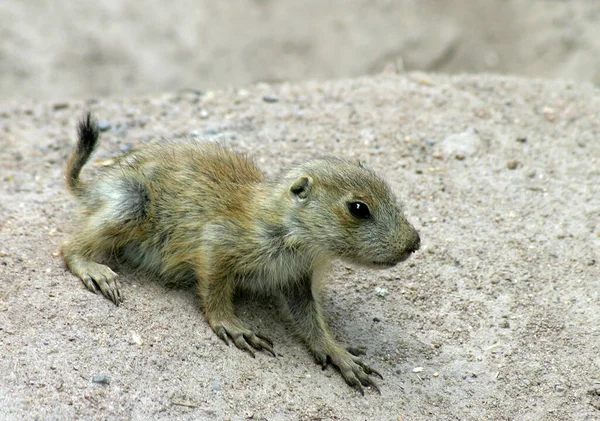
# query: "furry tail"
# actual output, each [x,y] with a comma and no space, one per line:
[87,140]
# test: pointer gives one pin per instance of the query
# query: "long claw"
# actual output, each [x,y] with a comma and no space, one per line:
[374,386]
[353,370]
[222,333]
[377,373]
[264,338]
[114,291]
[270,350]
[89,284]
[242,337]
[97,277]
[259,342]
[359,388]
[241,343]
[112,296]
[366,381]
[355,351]
[368,369]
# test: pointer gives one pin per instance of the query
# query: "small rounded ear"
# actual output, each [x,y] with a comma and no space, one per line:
[301,187]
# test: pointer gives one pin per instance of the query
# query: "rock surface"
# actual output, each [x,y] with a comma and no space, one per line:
[497,317]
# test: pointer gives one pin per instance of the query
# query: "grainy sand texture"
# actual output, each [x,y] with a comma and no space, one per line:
[496,317]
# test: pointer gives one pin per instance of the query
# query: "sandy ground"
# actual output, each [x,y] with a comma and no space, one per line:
[497,317]
[52,50]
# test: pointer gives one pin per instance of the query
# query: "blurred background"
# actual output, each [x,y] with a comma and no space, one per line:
[51,49]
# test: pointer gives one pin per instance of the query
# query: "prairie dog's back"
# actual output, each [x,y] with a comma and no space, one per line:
[204,160]
[182,175]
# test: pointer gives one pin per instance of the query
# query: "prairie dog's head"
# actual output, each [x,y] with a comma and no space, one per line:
[346,211]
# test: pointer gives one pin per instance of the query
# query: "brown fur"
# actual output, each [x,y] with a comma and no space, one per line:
[194,211]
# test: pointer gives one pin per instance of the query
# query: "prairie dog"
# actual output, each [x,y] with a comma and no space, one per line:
[189,211]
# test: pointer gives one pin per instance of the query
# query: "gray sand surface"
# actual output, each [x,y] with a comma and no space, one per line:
[497,317]
[73,49]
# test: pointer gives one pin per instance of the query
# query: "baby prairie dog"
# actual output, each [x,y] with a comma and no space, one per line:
[189,211]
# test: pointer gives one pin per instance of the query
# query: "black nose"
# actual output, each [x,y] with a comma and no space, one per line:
[416,243]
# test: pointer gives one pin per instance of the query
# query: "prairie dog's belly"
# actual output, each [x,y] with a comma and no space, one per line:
[273,273]
[162,254]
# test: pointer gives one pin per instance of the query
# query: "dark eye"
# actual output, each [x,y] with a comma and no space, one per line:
[359,210]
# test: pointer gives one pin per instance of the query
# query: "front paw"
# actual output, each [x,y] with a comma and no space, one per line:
[354,371]
[243,338]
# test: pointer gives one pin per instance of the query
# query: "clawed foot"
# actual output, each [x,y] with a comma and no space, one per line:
[353,370]
[98,277]
[242,337]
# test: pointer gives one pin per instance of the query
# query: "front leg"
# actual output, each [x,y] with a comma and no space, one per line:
[216,294]
[307,319]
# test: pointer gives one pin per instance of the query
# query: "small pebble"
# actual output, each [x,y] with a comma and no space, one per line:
[104,126]
[143,120]
[382,292]
[270,99]
[210,131]
[418,369]
[513,164]
[136,337]
[549,113]
[101,379]
[466,144]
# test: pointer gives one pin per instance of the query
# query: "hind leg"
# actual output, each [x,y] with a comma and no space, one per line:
[78,254]
[118,207]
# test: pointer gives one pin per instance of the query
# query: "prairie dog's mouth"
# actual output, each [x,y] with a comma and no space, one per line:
[383,265]
[377,264]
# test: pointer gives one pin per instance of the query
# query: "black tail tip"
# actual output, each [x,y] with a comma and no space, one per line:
[88,132]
